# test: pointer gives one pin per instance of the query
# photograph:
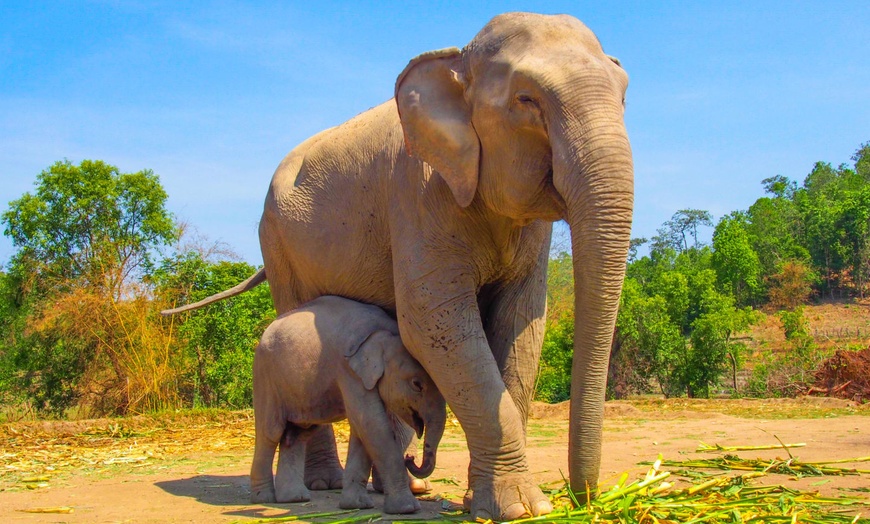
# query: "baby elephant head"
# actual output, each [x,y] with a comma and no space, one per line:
[406,389]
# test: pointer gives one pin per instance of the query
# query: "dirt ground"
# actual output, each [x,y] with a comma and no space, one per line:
[163,474]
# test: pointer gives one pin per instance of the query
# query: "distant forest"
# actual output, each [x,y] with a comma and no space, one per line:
[683,303]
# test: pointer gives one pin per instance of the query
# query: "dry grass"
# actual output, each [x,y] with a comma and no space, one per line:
[825,321]
[34,454]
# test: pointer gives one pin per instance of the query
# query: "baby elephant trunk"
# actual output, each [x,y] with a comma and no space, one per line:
[434,431]
[426,468]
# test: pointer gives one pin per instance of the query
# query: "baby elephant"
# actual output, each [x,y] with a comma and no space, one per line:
[334,358]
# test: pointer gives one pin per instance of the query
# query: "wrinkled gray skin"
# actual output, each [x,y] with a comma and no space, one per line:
[438,205]
[330,358]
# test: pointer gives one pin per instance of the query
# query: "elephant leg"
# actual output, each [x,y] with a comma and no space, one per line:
[440,317]
[322,467]
[407,439]
[291,466]
[515,322]
[354,494]
[372,425]
[262,485]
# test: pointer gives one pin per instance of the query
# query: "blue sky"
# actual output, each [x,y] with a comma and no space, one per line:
[211,96]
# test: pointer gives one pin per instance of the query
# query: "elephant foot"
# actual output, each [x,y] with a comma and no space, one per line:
[292,493]
[263,495]
[324,479]
[506,497]
[322,467]
[401,503]
[326,474]
[355,497]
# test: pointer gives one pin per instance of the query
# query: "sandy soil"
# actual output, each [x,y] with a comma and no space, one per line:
[212,486]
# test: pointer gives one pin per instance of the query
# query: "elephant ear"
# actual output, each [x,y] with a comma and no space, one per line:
[436,120]
[367,359]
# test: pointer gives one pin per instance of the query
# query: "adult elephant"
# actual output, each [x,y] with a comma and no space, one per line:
[438,206]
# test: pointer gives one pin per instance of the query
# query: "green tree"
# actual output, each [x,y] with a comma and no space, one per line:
[862,161]
[633,245]
[650,341]
[684,224]
[854,222]
[712,346]
[737,266]
[553,383]
[775,232]
[88,225]
[835,208]
[560,288]
[673,288]
[674,327]
[85,234]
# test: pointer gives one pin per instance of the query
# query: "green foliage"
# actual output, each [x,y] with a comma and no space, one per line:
[554,378]
[88,224]
[218,341]
[794,324]
[774,230]
[675,327]
[824,224]
[560,288]
[553,383]
[676,232]
[649,344]
[712,348]
[738,268]
[683,303]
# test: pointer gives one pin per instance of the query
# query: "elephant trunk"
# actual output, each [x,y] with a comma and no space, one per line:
[434,431]
[593,172]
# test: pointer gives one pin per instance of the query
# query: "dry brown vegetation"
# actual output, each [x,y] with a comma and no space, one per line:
[833,325]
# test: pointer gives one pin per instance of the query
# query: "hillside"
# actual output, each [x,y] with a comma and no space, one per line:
[833,325]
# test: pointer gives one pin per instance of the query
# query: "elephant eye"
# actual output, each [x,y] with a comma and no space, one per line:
[416,384]
[523,98]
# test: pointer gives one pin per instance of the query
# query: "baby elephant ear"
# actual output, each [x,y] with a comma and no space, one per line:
[367,359]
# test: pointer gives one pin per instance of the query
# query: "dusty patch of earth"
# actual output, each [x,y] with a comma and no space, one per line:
[196,470]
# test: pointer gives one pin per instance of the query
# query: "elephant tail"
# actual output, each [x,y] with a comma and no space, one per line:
[250,283]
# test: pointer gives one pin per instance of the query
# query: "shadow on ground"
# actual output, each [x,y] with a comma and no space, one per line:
[233,492]
[216,490]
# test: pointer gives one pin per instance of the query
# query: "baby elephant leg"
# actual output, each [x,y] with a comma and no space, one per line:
[322,468]
[262,486]
[375,431]
[289,485]
[405,436]
[355,494]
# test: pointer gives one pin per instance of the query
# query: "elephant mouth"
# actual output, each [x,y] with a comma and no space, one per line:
[418,423]
[556,197]
[549,204]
